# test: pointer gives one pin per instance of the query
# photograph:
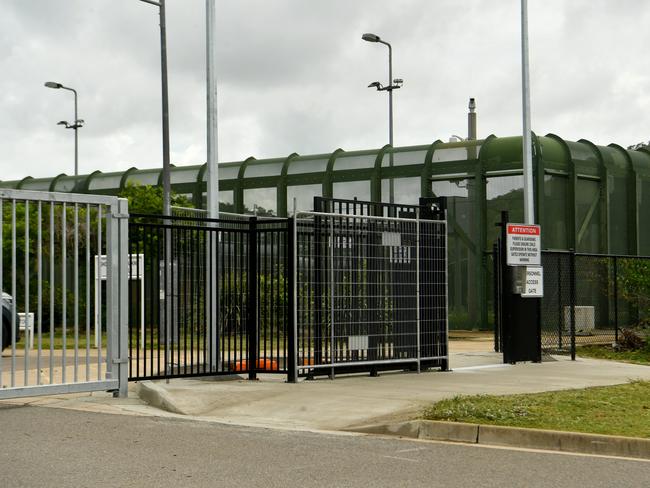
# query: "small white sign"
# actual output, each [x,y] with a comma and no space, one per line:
[391,239]
[523,246]
[358,343]
[136,266]
[534,282]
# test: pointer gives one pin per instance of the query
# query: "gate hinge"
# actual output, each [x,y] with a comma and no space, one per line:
[120,361]
[120,215]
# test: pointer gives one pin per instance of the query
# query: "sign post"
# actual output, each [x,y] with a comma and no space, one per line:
[521,290]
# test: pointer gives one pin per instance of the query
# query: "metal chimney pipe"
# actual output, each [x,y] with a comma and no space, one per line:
[471,121]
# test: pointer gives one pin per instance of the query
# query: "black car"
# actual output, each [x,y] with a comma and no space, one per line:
[6,321]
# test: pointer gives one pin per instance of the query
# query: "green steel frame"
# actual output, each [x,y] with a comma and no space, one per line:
[588,198]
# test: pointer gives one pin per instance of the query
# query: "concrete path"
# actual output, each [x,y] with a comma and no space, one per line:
[357,400]
[346,402]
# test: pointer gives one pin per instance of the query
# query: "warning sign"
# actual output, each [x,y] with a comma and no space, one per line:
[523,245]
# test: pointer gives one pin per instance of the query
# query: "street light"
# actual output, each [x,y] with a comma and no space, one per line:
[526,143]
[75,125]
[165,106]
[392,85]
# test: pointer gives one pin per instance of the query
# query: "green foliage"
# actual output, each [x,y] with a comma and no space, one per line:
[26,254]
[634,279]
[147,199]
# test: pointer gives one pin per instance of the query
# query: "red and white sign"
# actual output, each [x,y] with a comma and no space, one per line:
[523,245]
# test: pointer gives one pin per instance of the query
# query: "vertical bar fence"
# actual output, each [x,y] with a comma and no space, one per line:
[47,276]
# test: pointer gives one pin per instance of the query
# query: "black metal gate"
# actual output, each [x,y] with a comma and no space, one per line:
[208,297]
[376,279]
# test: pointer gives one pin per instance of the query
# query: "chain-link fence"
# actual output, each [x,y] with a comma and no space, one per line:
[590,298]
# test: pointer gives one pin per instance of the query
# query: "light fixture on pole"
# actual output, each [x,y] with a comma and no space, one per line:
[165,106]
[392,85]
[75,125]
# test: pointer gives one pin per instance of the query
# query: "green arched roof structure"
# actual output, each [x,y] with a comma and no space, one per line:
[588,197]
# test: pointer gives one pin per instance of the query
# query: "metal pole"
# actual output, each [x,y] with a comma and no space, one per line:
[212,140]
[529,203]
[332,314]
[391,188]
[213,174]
[417,286]
[165,104]
[165,111]
[76,137]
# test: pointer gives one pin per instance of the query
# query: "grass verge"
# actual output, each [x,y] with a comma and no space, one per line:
[611,410]
[640,356]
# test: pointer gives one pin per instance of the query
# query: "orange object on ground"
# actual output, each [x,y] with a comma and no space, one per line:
[262,365]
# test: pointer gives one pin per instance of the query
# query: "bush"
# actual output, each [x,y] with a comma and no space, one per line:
[631,340]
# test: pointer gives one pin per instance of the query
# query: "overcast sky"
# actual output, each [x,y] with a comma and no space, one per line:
[293,76]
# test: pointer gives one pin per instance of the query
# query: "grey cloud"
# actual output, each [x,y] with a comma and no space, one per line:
[293,76]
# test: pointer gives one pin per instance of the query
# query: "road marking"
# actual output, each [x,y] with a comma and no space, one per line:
[485,366]
[415,449]
[402,459]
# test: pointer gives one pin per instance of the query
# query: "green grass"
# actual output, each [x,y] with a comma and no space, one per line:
[613,410]
[641,356]
[58,340]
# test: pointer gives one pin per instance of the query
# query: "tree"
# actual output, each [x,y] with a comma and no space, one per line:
[147,199]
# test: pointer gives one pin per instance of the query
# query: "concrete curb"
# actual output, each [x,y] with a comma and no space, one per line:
[156,396]
[493,435]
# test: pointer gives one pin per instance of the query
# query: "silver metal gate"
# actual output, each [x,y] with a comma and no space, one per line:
[63,276]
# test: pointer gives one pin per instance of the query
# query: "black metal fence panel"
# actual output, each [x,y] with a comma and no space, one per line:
[210,297]
[207,297]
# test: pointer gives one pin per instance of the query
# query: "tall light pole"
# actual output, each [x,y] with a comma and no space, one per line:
[212,305]
[211,101]
[392,85]
[165,105]
[527,160]
[76,125]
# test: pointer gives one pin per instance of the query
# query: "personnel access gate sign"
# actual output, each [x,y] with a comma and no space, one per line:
[523,245]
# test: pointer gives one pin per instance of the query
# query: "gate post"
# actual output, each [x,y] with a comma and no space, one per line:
[118,300]
[572,299]
[251,305]
[292,323]
[496,283]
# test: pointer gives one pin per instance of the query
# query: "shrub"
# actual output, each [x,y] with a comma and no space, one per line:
[630,340]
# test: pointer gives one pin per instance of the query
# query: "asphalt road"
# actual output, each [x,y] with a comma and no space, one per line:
[48,447]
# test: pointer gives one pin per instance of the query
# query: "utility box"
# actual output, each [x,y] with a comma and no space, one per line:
[585,318]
